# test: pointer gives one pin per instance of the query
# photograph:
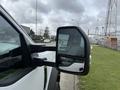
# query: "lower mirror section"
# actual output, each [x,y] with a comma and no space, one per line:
[75,67]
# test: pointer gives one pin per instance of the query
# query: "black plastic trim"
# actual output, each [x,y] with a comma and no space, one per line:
[40,48]
[53,79]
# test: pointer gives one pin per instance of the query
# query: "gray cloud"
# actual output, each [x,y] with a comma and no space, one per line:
[57,12]
[101,4]
[57,19]
[41,7]
[14,0]
[22,11]
[72,6]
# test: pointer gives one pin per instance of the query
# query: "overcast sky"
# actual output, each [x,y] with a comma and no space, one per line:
[53,13]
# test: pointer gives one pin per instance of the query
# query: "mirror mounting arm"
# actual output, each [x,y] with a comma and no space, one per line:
[47,63]
[41,48]
[42,61]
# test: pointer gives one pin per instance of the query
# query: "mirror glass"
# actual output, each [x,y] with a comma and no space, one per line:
[71,50]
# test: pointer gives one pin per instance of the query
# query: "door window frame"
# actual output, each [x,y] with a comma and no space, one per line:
[15,77]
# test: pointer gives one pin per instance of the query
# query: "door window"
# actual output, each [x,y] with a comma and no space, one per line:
[11,67]
[9,38]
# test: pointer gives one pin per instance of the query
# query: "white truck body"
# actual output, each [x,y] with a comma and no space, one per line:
[35,79]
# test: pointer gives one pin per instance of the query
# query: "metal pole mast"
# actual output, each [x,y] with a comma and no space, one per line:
[36,17]
[111,19]
[116,2]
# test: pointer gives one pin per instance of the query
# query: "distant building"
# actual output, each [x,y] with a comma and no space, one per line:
[117,35]
[111,42]
[28,31]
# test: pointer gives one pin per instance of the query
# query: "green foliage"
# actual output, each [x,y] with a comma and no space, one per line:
[32,32]
[104,72]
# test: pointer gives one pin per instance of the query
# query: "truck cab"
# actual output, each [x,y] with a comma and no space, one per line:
[25,65]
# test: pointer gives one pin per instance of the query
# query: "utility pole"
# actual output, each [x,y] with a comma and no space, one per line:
[96,31]
[36,17]
[88,32]
[103,30]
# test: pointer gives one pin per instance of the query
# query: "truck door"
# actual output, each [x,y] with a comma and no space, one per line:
[13,74]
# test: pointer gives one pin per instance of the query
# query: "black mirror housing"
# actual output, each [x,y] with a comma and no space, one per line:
[73,50]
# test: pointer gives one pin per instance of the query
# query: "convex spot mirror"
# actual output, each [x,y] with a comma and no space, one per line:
[73,50]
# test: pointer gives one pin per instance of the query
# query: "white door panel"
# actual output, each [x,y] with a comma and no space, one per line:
[35,79]
[50,57]
[32,81]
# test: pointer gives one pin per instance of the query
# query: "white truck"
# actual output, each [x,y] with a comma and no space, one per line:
[25,65]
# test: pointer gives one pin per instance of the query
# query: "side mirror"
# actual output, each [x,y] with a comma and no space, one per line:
[73,50]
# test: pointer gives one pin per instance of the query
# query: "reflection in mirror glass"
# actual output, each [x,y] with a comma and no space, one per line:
[70,42]
[71,50]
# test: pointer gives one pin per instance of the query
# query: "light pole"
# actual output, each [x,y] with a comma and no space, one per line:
[36,17]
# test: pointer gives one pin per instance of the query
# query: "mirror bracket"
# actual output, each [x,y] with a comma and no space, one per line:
[42,62]
[41,48]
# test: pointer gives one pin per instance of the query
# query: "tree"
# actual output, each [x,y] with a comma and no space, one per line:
[46,33]
[32,32]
